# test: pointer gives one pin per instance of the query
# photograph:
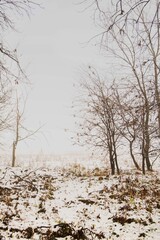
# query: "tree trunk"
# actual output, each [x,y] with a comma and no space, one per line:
[157,94]
[143,165]
[13,154]
[148,163]
[112,163]
[143,155]
[147,141]
[116,160]
[117,167]
[112,167]
[132,155]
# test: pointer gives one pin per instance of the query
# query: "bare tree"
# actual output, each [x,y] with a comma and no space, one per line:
[137,126]
[131,28]
[139,50]
[21,133]
[99,117]
[128,126]
[131,33]
[11,72]
[111,115]
[141,108]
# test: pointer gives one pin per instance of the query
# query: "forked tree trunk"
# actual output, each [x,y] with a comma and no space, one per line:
[132,155]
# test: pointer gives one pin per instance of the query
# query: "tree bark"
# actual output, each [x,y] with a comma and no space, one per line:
[132,155]
[13,154]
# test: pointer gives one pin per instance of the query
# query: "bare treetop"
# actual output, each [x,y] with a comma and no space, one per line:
[11,6]
[110,13]
[9,57]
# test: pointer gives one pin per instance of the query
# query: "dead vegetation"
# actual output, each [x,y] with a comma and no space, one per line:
[49,205]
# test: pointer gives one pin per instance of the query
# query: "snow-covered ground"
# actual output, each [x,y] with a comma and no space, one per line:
[78,200]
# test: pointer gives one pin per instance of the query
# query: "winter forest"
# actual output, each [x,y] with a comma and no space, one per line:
[113,191]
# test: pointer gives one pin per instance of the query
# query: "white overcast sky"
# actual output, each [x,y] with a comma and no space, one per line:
[52,48]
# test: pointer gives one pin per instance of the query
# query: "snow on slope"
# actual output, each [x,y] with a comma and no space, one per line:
[86,200]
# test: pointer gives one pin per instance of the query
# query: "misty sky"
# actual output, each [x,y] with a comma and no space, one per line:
[52,48]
